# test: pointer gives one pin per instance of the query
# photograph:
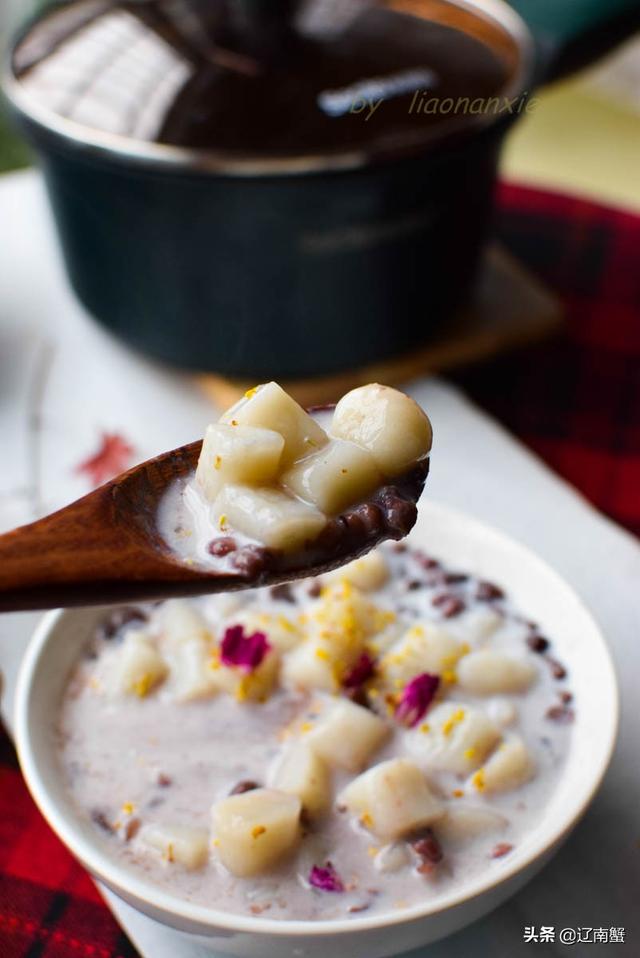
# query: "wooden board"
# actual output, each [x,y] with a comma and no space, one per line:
[510,308]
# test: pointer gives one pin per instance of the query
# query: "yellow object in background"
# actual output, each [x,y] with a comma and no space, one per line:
[583,137]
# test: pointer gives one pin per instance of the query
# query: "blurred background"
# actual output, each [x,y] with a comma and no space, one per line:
[543,358]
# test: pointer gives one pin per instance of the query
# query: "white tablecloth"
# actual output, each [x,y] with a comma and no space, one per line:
[63,381]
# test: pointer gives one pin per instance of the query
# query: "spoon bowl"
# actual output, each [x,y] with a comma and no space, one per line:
[106,547]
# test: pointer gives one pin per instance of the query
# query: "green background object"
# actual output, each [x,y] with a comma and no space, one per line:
[560,20]
[13,153]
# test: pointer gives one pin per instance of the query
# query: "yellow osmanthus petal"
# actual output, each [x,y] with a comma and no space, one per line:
[366,819]
[478,780]
[452,721]
[142,686]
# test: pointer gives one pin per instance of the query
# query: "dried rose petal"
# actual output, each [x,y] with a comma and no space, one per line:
[244,651]
[360,673]
[416,698]
[326,879]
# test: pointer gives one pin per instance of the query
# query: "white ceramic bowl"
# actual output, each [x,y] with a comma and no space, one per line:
[539,593]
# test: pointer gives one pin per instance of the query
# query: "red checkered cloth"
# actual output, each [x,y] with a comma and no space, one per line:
[575,400]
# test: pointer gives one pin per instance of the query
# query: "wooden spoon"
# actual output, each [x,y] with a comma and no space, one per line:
[106,547]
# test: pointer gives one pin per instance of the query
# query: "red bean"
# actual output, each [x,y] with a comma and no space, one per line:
[222,546]
[244,786]
[488,592]
[537,643]
[448,604]
[560,714]
[427,847]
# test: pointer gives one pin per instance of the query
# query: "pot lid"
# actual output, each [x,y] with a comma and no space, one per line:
[268,84]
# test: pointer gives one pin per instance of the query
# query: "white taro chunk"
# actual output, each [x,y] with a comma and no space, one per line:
[368,573]
[177,844]
[269,407]
[479,624]
[462,823]
[488,673]
[181,622]
[502,711]
[422,648]
[268,515]
[336,630]
[389,424]
[454,738]
[345,616]
[310,666]
[223,605]
[191,673]
[510,766]
[302,772]
[338,475]
[244,454]
[347,735]
[254,831]
[136,667]
[392,858]
[255,685]
[392,799]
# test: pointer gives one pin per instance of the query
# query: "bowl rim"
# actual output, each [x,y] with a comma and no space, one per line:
[208,920]
[139,152]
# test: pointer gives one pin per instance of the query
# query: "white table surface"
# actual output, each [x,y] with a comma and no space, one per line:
[63,380]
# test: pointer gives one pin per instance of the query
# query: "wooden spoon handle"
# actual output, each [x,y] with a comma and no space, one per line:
[81,554]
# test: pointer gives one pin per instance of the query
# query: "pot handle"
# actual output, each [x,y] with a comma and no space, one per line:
[571,35]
